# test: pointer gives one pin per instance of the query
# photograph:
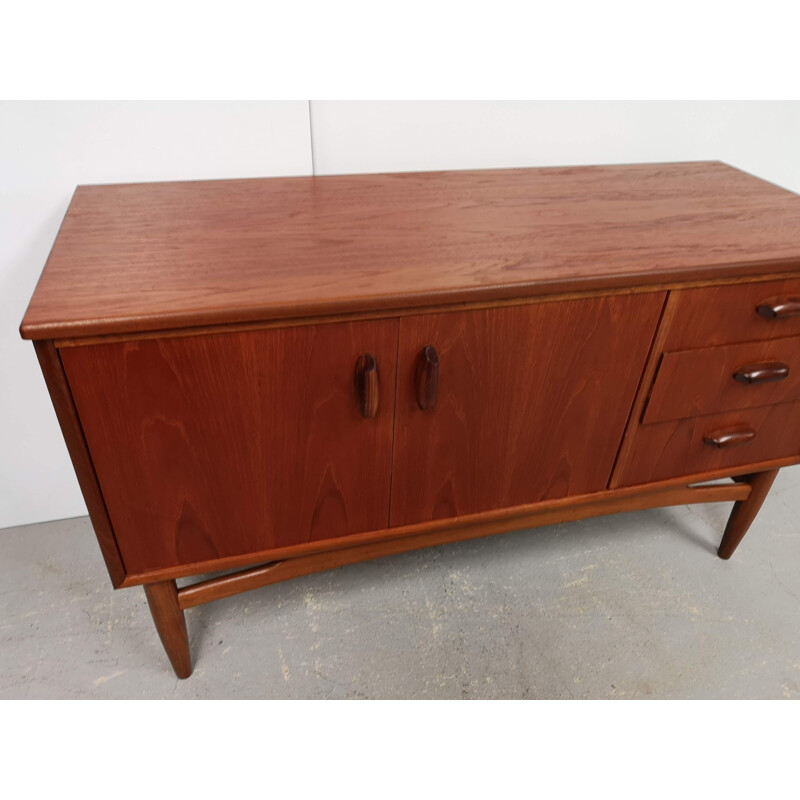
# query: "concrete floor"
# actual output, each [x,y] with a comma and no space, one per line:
[635,605]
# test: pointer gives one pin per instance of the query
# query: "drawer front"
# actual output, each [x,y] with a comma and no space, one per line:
[712,380]
[213,446]
[728,314]
[683,447]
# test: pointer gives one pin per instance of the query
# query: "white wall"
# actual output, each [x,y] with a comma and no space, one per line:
[46,149]
[759,137]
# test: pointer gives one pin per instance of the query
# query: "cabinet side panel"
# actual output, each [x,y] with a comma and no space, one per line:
[61,396]
[216,446]
[532,402]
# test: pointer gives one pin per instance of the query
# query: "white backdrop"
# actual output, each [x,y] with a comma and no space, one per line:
[48,148]
[759,137]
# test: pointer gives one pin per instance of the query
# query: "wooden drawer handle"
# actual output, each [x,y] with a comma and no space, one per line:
[367,392]
[427,377]
[780,309]
[762,373]
[729,438]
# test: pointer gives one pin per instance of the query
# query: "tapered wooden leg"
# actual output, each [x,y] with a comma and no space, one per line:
[744,511]
[170,623]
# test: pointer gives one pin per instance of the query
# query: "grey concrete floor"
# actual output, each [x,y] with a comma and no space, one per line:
[634,605]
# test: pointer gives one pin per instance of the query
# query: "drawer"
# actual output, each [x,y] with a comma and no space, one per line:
[680,447]
[729,314]
[710,380]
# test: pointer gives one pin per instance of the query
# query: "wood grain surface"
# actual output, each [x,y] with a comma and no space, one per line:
[145,257]
[547,513]
[531,403]
[692,383]
[64,405]
[727,314]
[170,623]
[500,519]
[668,449]
[213,446]
[745,511]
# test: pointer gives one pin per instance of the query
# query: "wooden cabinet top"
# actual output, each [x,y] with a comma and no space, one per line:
[158,256]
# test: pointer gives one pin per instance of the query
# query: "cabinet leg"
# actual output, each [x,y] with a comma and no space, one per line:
[170,623]
[744,511]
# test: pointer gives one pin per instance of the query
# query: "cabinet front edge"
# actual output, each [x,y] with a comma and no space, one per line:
[102,331]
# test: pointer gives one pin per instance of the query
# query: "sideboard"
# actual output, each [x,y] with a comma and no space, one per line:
[271,377]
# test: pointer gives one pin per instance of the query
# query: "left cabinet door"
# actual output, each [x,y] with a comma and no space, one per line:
[211,446]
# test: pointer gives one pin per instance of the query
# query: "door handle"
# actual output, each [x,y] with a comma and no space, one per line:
[427,377]
[729,438]
[762,373]
[367,387]
[779,309]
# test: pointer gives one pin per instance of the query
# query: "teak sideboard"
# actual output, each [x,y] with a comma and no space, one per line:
[273,377]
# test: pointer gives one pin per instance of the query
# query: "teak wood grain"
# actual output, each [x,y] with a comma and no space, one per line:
[524,394]
[64,405]
[170,624]
[208,447]
[718,315]
[692,383]
[668,449]
[145,257]
[745,511]
[385,313]
[504,519]
[546,513]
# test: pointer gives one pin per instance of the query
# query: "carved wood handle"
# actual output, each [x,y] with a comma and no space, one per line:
[779,309]
[366,380]
[427,377]
[762,373]
[729,438]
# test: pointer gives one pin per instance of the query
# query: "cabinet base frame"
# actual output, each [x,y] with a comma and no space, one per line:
[168,603]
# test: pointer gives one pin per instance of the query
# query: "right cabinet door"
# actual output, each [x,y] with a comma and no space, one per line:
[506,406]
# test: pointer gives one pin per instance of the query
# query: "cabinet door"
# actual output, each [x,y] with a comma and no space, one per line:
[220,445]
[531,402]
